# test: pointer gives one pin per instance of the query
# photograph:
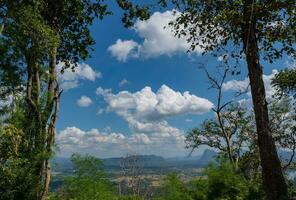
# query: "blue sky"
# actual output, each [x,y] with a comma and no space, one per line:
[106,112]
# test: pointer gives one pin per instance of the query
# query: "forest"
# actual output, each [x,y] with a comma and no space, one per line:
[236,142]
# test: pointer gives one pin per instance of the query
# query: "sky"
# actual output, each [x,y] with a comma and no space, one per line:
[141,92]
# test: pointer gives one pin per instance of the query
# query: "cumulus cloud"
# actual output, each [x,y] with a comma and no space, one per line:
[96,142]
[158,39]
[243,85]
[71,79]
[150,106]
[123,49]
[84,101]
[146,112]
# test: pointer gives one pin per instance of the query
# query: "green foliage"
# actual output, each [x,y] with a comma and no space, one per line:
[220,182]
[71,21]
[131,198]
[11,142]
[249,30]
[88,181]
[87,166]
[226,183]
[214,25]
[16,172]
[35,36]
[17,178]
[133,11]
[285,82]
[175,189]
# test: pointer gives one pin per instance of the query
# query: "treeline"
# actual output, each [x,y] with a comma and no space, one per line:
[37,35]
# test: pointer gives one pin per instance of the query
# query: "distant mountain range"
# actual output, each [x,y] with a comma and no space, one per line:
[153,161]
[146,161]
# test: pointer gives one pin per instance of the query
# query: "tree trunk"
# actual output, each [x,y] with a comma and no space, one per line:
[50,116]
[273,179]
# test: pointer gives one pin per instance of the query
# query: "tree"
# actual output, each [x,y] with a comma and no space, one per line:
[26,41]
[282,122]
[247,29]
[233,140]
[238,123]
[35,37]
[88,182]
[70,22]
[232,131]
[233,128]
[285,84]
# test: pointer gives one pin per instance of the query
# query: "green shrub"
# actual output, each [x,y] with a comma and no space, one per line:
[220,182]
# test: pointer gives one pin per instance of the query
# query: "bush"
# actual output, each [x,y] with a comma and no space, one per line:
[224,182]
[220,182]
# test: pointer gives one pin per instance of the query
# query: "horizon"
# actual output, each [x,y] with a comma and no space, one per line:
[127,155]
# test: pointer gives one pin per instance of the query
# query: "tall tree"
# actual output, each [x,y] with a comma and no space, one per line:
[245,29]
[36,36]
[70,21]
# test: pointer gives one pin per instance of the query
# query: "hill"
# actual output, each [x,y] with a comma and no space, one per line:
[145,161]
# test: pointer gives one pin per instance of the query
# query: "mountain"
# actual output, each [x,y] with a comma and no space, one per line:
[145,161]
[158,161]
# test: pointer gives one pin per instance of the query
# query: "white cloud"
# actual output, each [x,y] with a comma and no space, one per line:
[123,49]
[71,79]
[73,139]
[270,91]
[243,85]
[123,82]
[158,39]
[150,106]
[146,111]
[235,85]
[84,101]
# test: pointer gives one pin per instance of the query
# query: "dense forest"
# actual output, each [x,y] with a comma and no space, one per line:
[254,142]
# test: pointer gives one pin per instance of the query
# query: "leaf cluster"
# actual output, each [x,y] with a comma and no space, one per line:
[216,25]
